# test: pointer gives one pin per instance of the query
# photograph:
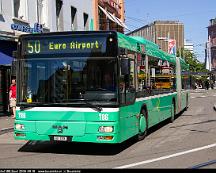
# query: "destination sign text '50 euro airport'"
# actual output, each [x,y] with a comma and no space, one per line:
[69,44]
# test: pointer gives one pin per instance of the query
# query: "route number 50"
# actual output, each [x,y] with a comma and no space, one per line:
[34,47]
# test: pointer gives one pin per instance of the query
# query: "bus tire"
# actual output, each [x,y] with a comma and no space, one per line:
[143,125]
[173,112]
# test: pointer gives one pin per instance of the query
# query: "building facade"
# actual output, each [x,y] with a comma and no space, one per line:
[109,15]
[32,16]
[52,15]
[161,32]
[211,45]
[208,64]
[188,46]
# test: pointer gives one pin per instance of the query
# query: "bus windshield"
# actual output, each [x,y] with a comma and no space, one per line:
[67,80]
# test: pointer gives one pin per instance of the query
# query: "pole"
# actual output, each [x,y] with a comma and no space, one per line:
[168,38]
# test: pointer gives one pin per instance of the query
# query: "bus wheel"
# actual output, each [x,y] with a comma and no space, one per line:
[143,125]
[173,110]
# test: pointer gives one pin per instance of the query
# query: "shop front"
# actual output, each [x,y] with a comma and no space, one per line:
[7,46]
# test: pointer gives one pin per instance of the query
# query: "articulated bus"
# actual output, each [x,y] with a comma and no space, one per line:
[93,86]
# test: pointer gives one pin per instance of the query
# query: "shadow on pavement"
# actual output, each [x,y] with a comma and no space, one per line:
[189,124]
[84,148]
[76,147]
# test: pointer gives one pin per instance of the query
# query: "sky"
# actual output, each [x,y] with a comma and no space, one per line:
[194,14]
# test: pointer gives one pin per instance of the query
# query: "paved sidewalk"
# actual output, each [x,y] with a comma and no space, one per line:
[6,124]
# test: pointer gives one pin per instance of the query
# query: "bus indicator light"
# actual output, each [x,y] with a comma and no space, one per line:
[105,137]
[20,134]
[106,129]
[19,127]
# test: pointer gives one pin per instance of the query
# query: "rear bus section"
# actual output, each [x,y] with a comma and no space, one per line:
[68,124]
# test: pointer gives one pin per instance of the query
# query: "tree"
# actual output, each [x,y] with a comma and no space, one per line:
[194,66]
[191,59]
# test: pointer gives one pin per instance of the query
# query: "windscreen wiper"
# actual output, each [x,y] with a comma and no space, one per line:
[97,108]
[25,106]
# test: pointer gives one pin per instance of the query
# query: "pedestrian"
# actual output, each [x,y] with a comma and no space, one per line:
[196,85]
[212,84]
[207,84]
[12,97]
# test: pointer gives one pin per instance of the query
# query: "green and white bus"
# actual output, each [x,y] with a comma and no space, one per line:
[94,86]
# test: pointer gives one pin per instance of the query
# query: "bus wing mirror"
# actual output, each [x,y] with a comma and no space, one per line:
[125,66]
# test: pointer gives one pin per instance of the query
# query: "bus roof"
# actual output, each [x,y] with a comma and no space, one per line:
[124,41]
[151,49]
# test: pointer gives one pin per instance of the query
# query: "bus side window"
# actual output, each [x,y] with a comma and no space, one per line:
[127,81]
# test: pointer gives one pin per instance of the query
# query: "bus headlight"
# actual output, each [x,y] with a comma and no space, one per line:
[20,127]
[106,129]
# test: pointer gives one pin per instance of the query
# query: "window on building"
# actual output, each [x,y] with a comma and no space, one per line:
[102,20]
[16,8]
[59,15]
[73,19]
[0,7]
[86,21]
[42,12]
[20,9]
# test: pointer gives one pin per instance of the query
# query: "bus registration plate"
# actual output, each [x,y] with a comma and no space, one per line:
[60,138]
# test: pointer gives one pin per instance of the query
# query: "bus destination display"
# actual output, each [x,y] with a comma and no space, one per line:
[56,45]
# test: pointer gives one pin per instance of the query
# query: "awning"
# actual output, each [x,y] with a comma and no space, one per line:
[123,24]
[5,59]
[113,18]
[106,13]
[4,38]
[7,36]
[118,21]
[6,50]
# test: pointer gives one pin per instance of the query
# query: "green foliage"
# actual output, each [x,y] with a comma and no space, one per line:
[191,59]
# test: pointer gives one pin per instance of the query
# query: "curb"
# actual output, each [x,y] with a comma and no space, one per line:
[6,130]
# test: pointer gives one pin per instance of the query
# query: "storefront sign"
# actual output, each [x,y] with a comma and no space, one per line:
[23,28]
